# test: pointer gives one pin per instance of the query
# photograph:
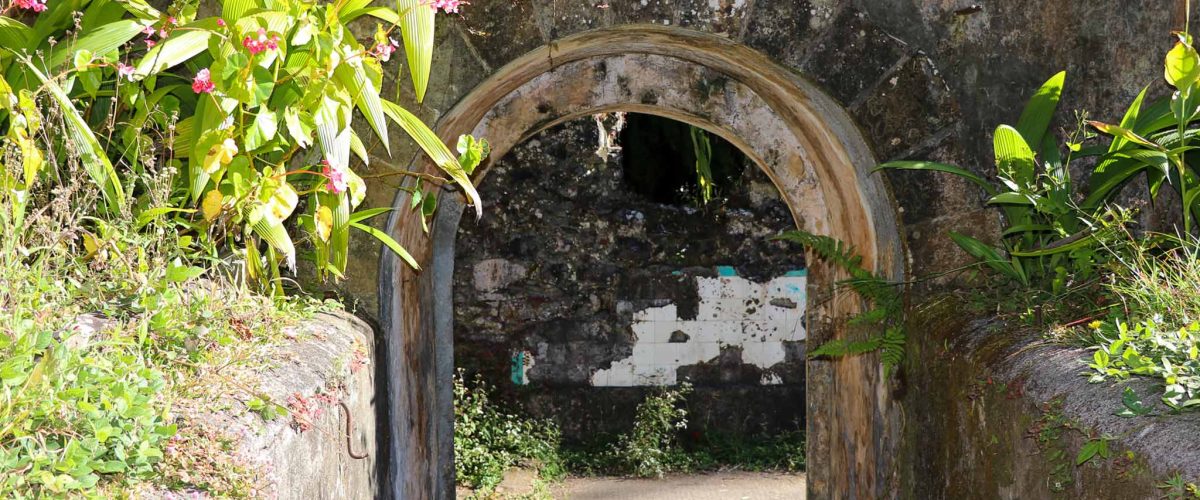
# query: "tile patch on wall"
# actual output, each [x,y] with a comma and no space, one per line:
[734,312]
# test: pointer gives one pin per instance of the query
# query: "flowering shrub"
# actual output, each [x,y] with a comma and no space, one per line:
[259,143]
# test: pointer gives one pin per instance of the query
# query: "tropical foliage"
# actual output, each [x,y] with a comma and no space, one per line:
[252,111]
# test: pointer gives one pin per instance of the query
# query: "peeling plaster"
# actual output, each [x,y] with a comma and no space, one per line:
[734,312]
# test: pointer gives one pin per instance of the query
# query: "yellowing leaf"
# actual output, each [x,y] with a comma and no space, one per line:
[211,207]
[220,155]
[90,245]
[1182,66]
[324,223]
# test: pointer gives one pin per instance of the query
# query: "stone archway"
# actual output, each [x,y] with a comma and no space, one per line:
[805,143]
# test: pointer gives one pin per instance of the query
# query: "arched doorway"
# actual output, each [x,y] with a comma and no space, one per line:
[800,138]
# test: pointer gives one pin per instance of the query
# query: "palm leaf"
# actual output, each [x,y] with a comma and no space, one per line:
[99,41]
[366,98]
[939,167]
[416,24]
[91,154]
[436,149]
[1035,119]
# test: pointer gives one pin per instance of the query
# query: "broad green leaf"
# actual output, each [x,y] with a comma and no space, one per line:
[416,24]
[938,167]
[1027,228]
[1182,65]
[91,154]
[263,129]
[436,149]
[472,152]
[366,97]
[13,34]
[1035,119]
[99,41]
[178,272]
[278,238]
[988,255]
[382,13]
[237,9]
[186,43]
[1068,244]
[388,242]
[1014,158]
[1129,121]
[1107,177]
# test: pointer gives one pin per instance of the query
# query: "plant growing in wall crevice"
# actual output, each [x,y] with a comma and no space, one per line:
[885,310]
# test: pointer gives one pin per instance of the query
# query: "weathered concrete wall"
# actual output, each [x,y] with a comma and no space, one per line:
[306,455]
[993,411]
[577,282]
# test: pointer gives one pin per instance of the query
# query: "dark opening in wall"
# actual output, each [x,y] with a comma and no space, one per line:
[658,159]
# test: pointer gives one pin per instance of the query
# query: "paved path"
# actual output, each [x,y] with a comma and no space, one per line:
[714,486]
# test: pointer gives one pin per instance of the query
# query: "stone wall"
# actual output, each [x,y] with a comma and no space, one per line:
[576,292]
[994,411]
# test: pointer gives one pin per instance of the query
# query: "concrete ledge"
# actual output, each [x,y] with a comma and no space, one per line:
[305,455]
[994,411]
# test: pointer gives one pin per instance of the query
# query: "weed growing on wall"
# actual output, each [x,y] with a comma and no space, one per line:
[885,311]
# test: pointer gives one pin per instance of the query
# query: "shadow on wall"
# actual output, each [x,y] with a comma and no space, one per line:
[596,277]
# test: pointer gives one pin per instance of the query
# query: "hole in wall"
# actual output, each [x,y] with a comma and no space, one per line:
[658,159]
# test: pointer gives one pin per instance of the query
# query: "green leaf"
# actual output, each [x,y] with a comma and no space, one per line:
[388,242]
[177,272]
[1124,133]
[1014,158]
[368,213]
[186,43]
[1129,121]
[13,34]
[263,129]
[366,98]
[1091,449]
[416,24]
[98,41]
[939,167]
[436,149]
[988,255]
[277,237]
[236,9]
[1133,406]
[1035,119]
[91,155]
[1010,198]
[150,214]
[1182,65]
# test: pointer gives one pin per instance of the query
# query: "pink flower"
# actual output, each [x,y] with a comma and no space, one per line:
[384,50]
[221,23]
[203,83]
[448,6]
[162,33]
[149,43]
[261,42]
[34,5]
[337,178]
[125,71]
[172,20]
[148,30]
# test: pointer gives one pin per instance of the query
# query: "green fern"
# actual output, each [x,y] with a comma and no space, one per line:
[887,308]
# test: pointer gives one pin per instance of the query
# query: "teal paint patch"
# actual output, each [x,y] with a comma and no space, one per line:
[797,273]
[795,289]
[676,273]
[726,271]
[518,368]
